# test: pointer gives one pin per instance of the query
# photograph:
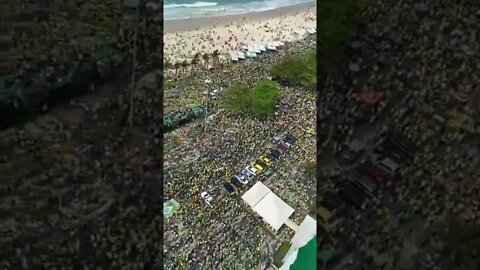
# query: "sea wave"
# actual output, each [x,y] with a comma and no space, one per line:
[192,5]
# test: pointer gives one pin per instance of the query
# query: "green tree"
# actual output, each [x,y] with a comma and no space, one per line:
[336,20]
[237,99]
[264,97]
[299,69]
[258,102]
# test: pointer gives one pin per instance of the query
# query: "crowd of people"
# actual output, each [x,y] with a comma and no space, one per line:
[89,196]
[423,57]
[229,235]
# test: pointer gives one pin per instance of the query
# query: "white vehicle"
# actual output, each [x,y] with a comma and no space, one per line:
[251,171]
[241,55]
[207,198]
[390,166]
[289,145]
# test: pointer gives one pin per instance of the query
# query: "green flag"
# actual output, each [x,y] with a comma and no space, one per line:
[306,257]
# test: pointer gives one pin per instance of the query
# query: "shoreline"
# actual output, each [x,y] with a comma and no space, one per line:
[185,38]
[183,25]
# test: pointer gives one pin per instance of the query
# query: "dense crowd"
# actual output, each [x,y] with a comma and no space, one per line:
[220,236]
[423,63]
[89,196]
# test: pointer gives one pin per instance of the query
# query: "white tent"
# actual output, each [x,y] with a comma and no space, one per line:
[268,205]
[278,43]
[271,47]
[250,54]
[233,56]
[255,194]
[240,55]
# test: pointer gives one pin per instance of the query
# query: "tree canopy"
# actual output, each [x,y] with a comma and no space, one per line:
[298,69]
[336,21]
[257,102]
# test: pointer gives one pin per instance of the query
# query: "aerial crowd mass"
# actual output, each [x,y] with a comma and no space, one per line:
[398,158]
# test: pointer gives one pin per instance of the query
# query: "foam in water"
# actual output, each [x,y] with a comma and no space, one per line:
[193,5]
[222,7]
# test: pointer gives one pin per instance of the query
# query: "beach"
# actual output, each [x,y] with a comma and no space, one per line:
[185,38]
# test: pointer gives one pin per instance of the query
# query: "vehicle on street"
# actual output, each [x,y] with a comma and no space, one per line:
[266,160]
[365,183]
[229,187]
[334,203]
[397,153]
[289,145]
[327,219]
[290,139]
[240,178]
[250,172]
[389,166]
[353,195]
[275,153]
[282,148]
[380,176]
[353,150]
[402,144]
[207,198]
[257,167]
[261,164]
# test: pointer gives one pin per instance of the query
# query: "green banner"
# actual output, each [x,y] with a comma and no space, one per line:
[170,207]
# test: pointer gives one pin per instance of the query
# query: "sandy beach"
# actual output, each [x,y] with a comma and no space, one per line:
[185,38]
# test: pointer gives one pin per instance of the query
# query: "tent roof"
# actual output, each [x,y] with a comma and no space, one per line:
[255,194]
[268,205]
[273,210]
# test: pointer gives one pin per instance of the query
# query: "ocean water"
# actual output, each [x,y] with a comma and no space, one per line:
[182,9]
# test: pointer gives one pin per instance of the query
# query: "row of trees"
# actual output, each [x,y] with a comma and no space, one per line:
[259,102]
[205,58]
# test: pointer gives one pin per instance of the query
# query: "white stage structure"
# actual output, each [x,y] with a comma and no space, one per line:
[268,205]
